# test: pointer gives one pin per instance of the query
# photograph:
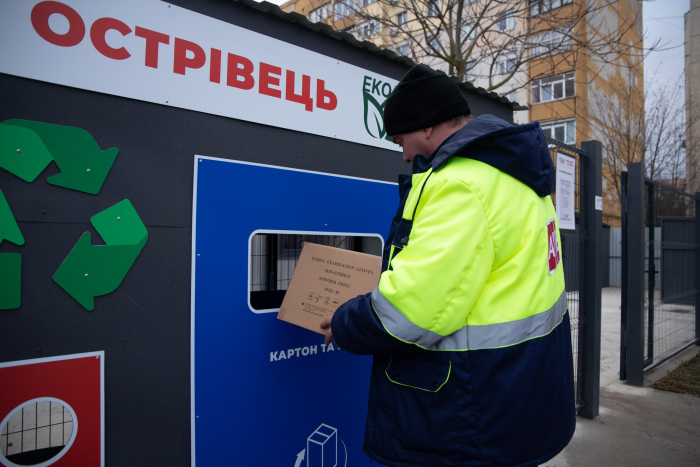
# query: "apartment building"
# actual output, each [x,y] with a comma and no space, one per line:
[570,90]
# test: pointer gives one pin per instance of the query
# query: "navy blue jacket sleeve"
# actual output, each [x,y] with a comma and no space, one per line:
[358,330]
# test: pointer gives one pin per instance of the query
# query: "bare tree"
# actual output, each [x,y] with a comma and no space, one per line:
[494,41]
[644,126]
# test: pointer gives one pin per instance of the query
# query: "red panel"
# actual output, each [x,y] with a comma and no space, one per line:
[75,381]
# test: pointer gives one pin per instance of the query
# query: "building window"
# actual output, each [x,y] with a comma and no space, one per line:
[434,9]
[402,50]
[291,8]
[344,9]
[553,88]
[551,41]
[468,32]
[506,21]
[434,44]
[367,29]
[537,7]
[511,96]
[320,14]
[470,73]
[364,3]
[562,130]
[507,64]
[402,19]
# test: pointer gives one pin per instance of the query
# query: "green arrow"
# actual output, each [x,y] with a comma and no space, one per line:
[22,152]
[10,263]
[93,270]
[84,166]
[10,280]
[9,230]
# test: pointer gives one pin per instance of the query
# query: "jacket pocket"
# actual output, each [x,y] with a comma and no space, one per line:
[423,374]
[427,428]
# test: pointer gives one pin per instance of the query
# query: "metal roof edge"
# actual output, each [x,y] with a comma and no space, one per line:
[293,17]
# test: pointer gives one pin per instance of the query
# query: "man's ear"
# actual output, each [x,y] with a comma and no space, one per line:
[428,132]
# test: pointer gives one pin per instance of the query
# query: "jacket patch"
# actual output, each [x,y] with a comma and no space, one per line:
[553,258]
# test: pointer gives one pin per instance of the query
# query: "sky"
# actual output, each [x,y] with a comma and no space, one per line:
[663,21]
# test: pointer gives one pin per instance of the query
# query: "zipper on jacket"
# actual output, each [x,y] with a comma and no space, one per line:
[403,229]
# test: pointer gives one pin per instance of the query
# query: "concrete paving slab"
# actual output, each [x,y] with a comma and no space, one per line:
[636,426]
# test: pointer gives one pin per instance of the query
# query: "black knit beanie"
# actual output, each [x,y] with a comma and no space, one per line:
[423,98]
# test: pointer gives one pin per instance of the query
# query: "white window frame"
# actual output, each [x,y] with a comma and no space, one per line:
[468,32]
[568,126]
[321,13]
[367,29]
[434,43]
[402,19]
[402,50]
[344,9]
[507,63]
[470,73]
[434,9]
[543,90]
[506,21]
[511,96]
[558,41]
[543,6]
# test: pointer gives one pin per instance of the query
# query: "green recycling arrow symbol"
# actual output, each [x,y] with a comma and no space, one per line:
[10,263]
[93,270]
[27,148]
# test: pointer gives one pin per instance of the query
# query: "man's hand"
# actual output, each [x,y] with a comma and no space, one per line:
[326,324]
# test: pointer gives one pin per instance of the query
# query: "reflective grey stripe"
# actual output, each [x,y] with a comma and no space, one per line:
[473,337]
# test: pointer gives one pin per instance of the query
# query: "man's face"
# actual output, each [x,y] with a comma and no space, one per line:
[413,143]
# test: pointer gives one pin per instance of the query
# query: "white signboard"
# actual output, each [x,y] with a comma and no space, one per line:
[156,52]
[566,191]
[598,203]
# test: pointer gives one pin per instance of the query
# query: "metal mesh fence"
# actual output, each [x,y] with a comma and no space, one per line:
[274,257]
[572,249]
[669,280]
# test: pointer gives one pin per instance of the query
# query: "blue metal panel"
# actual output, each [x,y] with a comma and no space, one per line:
[253,408]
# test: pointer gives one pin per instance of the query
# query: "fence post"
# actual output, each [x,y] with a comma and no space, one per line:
[623,279]
[697,267]
[635,274]
[592,262]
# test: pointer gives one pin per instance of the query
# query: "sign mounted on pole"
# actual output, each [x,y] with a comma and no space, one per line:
[156,52]
[566,191]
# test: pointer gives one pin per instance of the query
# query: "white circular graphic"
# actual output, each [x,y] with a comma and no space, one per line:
[32,434]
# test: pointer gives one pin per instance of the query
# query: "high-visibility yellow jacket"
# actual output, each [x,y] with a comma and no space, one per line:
[469,323]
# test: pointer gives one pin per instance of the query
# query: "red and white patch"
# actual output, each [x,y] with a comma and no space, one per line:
[553,257]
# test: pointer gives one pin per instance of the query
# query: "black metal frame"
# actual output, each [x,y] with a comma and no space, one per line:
[634,360]
[588,239]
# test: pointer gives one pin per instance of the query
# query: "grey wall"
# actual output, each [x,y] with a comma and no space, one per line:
[144,326]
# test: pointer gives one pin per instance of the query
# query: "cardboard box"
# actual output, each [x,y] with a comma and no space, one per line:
[325,278]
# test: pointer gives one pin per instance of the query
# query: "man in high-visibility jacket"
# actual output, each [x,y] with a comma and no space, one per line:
[469,325]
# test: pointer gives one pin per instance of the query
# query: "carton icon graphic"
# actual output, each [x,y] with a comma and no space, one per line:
[322,447]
